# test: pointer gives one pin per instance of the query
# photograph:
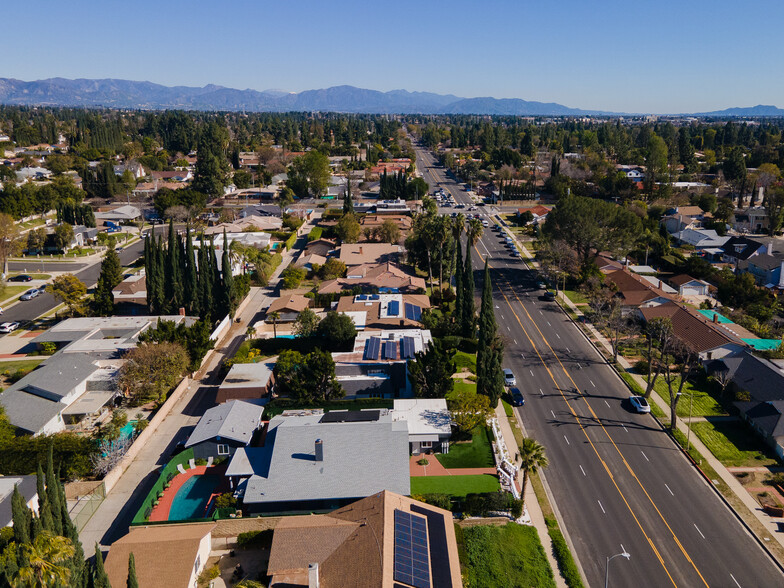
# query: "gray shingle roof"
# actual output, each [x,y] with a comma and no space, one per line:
[234,420]
[28,412]
[360,459]
[27,488]
[759,377]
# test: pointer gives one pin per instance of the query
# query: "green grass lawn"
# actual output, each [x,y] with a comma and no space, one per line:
[19,364]
[733,443]
[34,276]
[576,297]
[511,555]
[465,360]
[454,485]
[476,454]
[462,387]
[11,292]
[703,403]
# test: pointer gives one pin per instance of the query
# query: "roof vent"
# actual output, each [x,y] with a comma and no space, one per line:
[319,454]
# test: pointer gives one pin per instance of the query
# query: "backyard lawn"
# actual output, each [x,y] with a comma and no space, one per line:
[733,443]
[703,403]
[476,454]
[465,360]
[511,555]
[576,297]
[462,387]
[454,485]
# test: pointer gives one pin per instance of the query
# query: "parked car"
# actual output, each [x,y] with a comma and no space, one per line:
[640,404]
[509,378]
[8,327]
[541,285]
[517,397]
[29,295]
[21,278]
[549,296]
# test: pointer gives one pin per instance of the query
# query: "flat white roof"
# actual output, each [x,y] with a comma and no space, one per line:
[425,416]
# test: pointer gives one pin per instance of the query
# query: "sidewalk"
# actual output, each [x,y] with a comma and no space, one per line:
[770,524]
[531,502]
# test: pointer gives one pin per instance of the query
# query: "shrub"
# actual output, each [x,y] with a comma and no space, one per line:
[292,277]
[423,461]
[48,347]
[226,500]
[516,508]
[439,500]
[641,366]
[201,461]
[290,241]
[254,538]
[315,233]
[563,555]
[209,574]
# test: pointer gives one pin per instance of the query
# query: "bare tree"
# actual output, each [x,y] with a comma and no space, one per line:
[109,454]
[659,334]
[558,260]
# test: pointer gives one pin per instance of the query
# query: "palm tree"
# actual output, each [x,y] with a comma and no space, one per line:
[275,315]
[474,231]
[458,225]
[532,458]
[44,556]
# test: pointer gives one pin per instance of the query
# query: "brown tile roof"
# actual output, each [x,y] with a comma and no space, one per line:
[634,289]
[384,275]
[164,554]
[362,253]
[373,310]
[691,328]
[356,548]
[538,210]
[289,303]
[680,280]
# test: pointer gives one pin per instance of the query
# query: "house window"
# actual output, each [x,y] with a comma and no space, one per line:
[223,449]
[426,444]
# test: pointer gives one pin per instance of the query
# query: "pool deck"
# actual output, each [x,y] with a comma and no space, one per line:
[161,512]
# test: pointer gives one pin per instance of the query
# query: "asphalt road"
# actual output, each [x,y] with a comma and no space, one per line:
[28,310]
[618,481]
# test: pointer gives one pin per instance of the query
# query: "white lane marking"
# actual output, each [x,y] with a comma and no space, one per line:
[734,580]
[698,530]
[583,471]
[624,428]
[592,384]
[607,403]
[600,506]
[541,393]
[567,440]
[508,329]
[557,335]
[540,312]
[552,413]
[548,324]
[579,367]
[668,489]
[532,373]
[645,456]
[515,342]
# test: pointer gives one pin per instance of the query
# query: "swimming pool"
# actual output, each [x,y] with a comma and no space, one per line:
[191,500]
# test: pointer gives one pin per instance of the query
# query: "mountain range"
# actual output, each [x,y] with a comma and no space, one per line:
[113,93]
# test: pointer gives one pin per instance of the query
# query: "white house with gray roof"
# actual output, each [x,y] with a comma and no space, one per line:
[225,428]
[320,461]
[429,423]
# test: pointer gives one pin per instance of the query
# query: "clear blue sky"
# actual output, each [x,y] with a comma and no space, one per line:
[633,56]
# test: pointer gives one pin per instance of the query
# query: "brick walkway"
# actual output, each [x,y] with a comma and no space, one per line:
[434,468]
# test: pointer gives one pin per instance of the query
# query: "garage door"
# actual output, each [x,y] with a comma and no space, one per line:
[691,292]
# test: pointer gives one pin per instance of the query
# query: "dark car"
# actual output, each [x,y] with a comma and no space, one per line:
[549,295]
[517,397]
[21,278]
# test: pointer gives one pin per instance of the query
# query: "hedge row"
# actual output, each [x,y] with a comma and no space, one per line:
[315,234]
[563,555]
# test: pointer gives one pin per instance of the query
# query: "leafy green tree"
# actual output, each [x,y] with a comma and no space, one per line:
[309,174]
[347,229]
[774,207]
[45,562]
[309,378]
[212,166]
[389,232]
[292,277]
[532,458]
[430,373]
[63,235]
[734,168]
[71,290]
[468,410]
[151,370]
[656,161]
[332,269]
[306,323]
[110,276]
[36,240]
[337,329]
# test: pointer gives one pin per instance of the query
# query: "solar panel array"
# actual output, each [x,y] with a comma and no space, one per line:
[412,560]
[393,308]
[407,348]
[372,347]
[373,297]
[390,351]
[413,312]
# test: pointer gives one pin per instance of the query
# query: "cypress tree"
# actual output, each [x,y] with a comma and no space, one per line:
[53,492]
[173,278]
[348,203]
[468,320]
[490,348]
[204,278]
[22,518]
[132,581]
[40,486]
[227,286]
[147,272]
[100,578]
[160,261]
[459,293]
[219,310]
[191,287]
[36,528]
[111,275]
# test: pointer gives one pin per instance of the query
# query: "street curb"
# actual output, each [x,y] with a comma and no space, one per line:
[688,457]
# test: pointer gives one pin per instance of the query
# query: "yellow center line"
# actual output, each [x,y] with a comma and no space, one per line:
[599,457]
[601,424]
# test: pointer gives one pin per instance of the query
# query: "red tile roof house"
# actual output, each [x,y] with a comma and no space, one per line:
[635,291]
[376,276]
[540,212]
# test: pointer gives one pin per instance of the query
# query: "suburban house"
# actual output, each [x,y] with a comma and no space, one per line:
[688,286]
[539,212]
[702,336]
[310,460]
[700,238]
[766,269]
[288,307]
[381,541]
[738,249]
[681,218]
[28,488]
[261,210]
[136,169]
[29,174]
[371,222]
[130,295]
[165,555]
[384,277]
[635,291]
[378,363]
[633,172]
[180,175]
[356,254]
[753,219]
[309,260]
[83,236]
[381,311]
[73,386]
[225,428]
[607,264]
[429,423]
[322,247]
[120,214]
[247,381]
[251,223]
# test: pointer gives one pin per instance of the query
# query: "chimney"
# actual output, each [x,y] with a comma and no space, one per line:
[769,248]
[715,317]
[661,285]
[313,575]
[781,276]
[360,249]
[319,457]
[182,311]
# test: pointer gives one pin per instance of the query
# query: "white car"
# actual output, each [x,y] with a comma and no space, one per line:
[8,327]
[509,378]
[640,404]
[29,295]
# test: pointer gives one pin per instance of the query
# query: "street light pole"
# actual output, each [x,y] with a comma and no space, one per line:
[607,565]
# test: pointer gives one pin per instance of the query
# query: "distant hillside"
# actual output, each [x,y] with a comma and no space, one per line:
[759,110]
[145,95]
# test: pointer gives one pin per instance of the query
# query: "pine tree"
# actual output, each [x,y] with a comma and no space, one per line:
[468,318]
[100,578]
[111,275]
[132,581]
[53,491]
[348,203]
[219,308]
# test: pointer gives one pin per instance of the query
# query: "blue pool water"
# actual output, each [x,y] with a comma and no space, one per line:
[127,431]
[191,500]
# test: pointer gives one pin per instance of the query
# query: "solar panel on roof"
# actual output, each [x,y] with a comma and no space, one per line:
[372,347]
[407,348]
[389,350]
[413,312]
[361,297]
[373,297]
[393,308]
[350,416]
[412,560]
